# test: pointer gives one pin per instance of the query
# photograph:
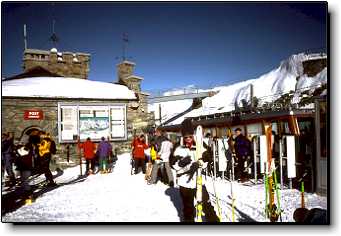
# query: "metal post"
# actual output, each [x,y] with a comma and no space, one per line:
[25,39]
[255,159]
[214,159]
[251,96]
[160,113]
[281,162]
[232,167]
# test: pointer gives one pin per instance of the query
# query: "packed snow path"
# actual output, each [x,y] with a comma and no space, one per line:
[121,197]
[114,197]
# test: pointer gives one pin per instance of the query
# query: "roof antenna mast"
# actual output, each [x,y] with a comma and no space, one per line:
[25,39]
[124,45]
[54,37]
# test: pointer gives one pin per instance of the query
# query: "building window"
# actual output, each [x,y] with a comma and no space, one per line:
[94,121]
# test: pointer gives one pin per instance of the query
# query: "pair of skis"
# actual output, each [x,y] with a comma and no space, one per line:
[198,156]
[273,211]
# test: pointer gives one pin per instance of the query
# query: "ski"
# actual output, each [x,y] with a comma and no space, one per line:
[198,154]
[215,148]
[271,207]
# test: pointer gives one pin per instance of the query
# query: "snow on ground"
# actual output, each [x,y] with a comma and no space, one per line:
[60,87]
[250,201]
[121,197]
[113,197]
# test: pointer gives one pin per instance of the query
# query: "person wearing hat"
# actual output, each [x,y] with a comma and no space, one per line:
[184,162]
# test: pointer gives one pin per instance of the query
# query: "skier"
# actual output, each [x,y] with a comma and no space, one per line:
[112,156]
[151,157]
[89,154]
[7,148]
[183,161]
[242,148]
[163,162]
[138,146]
[103,151]
[46,147]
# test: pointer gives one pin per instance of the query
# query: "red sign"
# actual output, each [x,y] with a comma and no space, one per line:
[33,115]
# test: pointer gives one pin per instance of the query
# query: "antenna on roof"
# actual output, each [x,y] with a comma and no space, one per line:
[125,42]
[25,39]
[54,37]
[124,45]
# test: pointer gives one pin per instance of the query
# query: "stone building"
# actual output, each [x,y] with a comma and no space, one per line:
[67,64]
[60,100]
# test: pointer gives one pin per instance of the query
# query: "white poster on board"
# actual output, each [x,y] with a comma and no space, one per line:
[291,160]
[69,123]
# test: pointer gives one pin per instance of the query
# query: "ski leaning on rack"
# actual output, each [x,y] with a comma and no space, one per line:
[215,148]
[271,209]
[198,154]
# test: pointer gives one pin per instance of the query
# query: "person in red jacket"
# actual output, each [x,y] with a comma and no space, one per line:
[89,149]
[138,146]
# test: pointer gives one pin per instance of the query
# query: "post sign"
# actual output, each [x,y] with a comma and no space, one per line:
[33,115]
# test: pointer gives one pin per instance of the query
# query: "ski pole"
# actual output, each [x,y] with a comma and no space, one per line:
[266,194]
[217,201]
[232,193]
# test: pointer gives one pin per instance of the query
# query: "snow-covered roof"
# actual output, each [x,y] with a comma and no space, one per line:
[267,88]
[126,62]
[61,87]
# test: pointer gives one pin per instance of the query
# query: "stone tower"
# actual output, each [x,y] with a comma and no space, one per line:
[125,76]
[137,110]
[66,64]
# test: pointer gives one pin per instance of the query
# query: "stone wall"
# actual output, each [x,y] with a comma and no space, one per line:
[66,64]
[13,110]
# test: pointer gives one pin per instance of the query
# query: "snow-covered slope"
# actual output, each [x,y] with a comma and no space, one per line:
[60,87]
[266,88]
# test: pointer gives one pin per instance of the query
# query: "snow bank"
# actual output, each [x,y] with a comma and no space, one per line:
[60,87]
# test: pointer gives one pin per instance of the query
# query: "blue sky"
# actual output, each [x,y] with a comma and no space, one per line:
[173,44]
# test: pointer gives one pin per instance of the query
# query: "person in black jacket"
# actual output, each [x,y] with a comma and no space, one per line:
[242,148]
[46,147]
[7,148]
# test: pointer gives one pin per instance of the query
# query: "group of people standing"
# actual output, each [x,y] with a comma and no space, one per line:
[179,157]
[100,155]
[31,158]
[153,158]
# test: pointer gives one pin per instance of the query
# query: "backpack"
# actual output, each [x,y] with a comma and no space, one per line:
[153,153]
[44,147]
